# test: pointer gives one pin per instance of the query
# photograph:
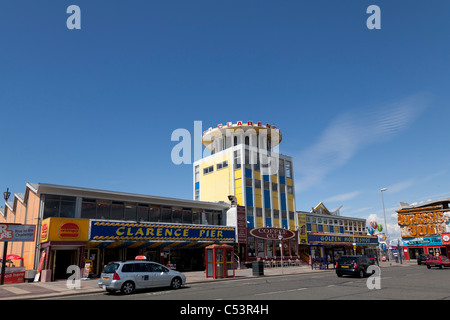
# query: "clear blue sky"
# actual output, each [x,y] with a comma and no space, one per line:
[359,109]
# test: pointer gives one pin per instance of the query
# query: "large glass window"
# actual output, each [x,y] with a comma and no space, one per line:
[166,214]
[89,209]
[176,215]
[130,212]
[117,210]
[251,246]
[196,216]
[103,209]
[154,213]
[59,206]
[187,215]
[142,212]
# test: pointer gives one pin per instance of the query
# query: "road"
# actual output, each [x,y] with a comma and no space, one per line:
[411,282]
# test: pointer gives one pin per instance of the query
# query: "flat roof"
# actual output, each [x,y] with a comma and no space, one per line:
[45,188]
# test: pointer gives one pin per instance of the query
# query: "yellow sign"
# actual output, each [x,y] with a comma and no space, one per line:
[64,229]
[302,234]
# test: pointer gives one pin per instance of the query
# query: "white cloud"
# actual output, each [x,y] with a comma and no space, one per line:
[349,133]
[400,186]
[343,197]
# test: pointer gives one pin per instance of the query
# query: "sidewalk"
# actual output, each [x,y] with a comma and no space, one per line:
[37,290]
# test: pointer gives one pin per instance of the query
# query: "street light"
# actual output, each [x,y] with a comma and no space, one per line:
[385,225]
[5,244]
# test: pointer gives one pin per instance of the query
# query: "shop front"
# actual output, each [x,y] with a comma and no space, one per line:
[95,243]
[328,248]
[435,246]
[271,244]
[63,242]
[178,246]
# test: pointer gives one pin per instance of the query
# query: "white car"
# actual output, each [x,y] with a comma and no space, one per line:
[127,276]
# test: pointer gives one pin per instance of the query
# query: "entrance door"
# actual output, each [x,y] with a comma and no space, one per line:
[63,259]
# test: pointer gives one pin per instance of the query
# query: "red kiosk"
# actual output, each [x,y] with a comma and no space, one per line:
[219,261]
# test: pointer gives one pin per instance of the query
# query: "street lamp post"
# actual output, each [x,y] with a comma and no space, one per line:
[5,245]
[385,225]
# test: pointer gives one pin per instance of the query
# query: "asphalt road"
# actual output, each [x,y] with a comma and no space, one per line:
[396,283]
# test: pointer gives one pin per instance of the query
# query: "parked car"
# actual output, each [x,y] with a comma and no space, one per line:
[353,265]
[440,262]
[130,275]
[421,259]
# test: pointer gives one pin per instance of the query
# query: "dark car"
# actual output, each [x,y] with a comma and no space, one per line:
[421,259]
[440,262]
[353,265]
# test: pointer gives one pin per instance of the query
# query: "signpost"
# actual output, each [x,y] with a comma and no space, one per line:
[14,232]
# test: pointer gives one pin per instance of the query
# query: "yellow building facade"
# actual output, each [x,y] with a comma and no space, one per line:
[244,162]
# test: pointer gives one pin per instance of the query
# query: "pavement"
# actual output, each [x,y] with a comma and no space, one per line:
[46,290]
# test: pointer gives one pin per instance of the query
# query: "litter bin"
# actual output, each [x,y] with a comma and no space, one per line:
[258,268]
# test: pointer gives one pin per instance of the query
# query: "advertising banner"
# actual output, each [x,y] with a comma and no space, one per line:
[64,229]
[124,231]
[17,232]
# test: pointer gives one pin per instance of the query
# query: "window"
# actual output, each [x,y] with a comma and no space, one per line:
[103,209]
[197,174]
[288,169]
[130,212]
[154,214]
[117,210]
[166,214]
[89,209]
[59,206]
[176,215]
[187,215]
[208,169]
[196,216]
[237,159]
[142,212]
[251,246]
[222,165]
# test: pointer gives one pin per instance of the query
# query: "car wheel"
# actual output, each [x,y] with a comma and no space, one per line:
[441,266]
[339,275]
[127,287]
[428,267]
[176,283]
[111,291]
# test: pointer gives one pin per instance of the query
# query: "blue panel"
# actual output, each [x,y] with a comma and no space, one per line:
[267,199]
[283,201]
[249,196]
[248,173]
[251,222]
[284,223]
[197,185]
[308,227]
[268,222]
[341,229]
[282,180]
[266,178]
[320,228]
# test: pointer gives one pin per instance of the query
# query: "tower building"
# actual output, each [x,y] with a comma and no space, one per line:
[244,164]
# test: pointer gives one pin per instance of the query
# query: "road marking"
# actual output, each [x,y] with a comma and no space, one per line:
[275,292]
[16,290]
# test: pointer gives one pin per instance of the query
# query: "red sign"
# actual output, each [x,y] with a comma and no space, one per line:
[272,233]
[69,230]
[445,238]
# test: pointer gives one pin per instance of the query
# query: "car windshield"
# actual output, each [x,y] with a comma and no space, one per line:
[111,268]
[347,260]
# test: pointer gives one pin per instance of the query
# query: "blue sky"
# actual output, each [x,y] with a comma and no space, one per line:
[359,109]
